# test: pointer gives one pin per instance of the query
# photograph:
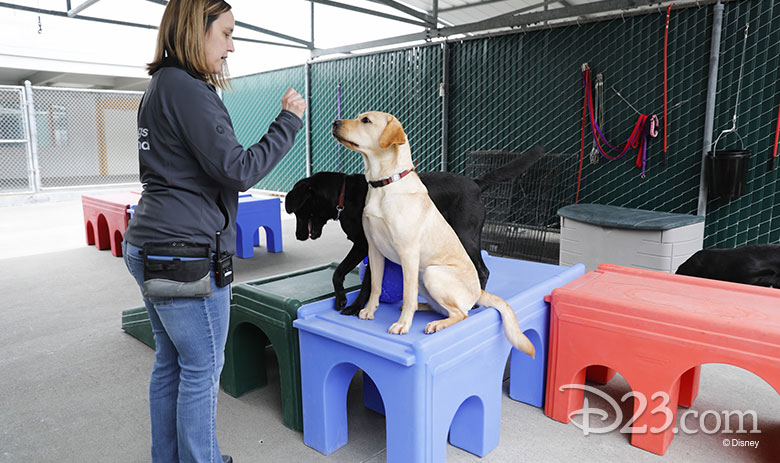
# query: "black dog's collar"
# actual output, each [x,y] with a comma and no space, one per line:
[389,180]
[340,207]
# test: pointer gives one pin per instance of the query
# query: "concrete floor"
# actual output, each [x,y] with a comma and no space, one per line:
[73,385]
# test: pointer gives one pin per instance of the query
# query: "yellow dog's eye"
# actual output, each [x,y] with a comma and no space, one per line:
[365,120]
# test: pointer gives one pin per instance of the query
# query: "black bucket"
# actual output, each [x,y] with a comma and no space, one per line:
[727,172]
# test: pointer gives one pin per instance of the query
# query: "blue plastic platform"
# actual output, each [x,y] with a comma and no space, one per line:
[433,385]
[252,214]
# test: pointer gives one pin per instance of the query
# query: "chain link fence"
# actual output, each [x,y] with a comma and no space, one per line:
[755,216]
[509,92]
[632,65]
[404,83]
[86,137]
[505,92]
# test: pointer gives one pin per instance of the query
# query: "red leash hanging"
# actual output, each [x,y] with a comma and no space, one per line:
[644,127]
[638,138]
[777,136]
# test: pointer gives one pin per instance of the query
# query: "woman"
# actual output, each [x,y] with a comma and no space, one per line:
[192,168]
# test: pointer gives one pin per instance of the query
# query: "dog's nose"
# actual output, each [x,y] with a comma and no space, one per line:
[336,124]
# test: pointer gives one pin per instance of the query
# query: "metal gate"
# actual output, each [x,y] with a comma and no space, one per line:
[16,160]
[55,138]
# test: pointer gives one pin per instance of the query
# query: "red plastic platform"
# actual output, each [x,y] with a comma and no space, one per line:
[106,218]
[656,329]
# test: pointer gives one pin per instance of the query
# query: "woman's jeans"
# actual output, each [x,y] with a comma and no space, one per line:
[190,333]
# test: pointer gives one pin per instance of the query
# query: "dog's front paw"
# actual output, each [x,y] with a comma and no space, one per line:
[399,327]
[340,302]
[367,314]
[352,309]
[436,325]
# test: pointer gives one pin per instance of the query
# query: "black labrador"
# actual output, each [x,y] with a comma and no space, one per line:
[334,196]
[757,264]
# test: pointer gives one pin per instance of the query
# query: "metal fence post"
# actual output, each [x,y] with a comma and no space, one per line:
[307,96]
[33,135]
[709,112]
[445,100]
[26,136]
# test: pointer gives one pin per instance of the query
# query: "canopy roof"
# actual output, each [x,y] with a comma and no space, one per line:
[287,32]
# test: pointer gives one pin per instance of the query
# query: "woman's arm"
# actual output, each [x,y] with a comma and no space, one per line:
[205,127]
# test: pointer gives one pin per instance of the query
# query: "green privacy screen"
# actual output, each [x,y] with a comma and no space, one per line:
[253,104]
[404,83]
[755,216]
[512,92]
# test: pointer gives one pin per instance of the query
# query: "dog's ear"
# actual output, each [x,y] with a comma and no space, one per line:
[297,196]
[393,134]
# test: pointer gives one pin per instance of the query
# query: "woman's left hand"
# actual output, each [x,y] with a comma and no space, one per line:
[293,102]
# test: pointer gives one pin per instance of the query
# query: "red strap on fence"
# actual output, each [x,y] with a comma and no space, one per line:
[777,135]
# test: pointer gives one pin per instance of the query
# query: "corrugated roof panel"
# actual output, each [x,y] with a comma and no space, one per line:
[480,9]
[483,12]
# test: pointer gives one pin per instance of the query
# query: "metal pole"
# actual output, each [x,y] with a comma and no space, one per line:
[307,96]
[709,113]
[33,128]
[307,93]
[74,11]
[311,24]
[26,138]
[445,103]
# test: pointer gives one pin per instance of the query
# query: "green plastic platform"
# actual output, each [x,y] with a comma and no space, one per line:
[136,323]
[262,313]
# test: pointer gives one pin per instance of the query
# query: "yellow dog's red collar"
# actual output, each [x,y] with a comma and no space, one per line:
[389,180]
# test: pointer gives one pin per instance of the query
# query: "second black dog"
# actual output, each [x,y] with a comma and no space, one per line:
[757,264]
[315,200]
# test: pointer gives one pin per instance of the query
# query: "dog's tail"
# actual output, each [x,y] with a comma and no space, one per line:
[510,170]
[509,320]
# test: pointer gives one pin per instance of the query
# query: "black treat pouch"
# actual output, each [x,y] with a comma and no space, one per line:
[176,270]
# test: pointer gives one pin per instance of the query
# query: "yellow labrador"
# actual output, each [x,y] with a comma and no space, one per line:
[402,224]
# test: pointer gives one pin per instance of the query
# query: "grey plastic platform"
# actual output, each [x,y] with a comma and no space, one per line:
[593,234]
